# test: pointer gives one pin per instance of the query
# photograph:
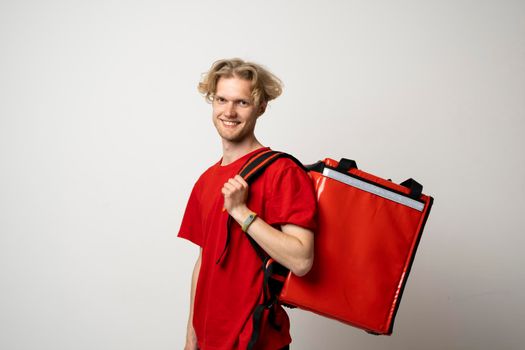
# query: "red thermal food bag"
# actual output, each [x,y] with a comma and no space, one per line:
[369,229]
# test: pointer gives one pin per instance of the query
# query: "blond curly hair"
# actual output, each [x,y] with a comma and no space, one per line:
[265,85]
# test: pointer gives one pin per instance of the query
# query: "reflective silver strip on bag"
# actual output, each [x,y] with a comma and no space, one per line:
[379,191]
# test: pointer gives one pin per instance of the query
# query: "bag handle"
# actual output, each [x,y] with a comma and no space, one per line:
[415,188]
[346,164]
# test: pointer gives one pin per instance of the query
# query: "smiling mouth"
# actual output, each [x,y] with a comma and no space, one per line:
[230,122]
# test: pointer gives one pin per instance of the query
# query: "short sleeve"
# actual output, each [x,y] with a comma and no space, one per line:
[292,199]
[191,226]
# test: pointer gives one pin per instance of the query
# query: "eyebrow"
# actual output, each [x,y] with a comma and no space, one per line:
[237,100]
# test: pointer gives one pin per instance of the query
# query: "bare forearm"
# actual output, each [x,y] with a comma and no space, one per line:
[290,251]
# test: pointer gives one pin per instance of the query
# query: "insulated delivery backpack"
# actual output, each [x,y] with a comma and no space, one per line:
[368,232]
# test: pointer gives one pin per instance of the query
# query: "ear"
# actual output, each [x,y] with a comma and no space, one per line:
[262,108]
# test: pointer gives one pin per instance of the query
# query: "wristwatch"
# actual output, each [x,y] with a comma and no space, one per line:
[251,217]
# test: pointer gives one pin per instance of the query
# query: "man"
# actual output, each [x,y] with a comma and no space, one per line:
[278,214]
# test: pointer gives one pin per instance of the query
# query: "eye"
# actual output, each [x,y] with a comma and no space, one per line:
[243,103]
[220,99]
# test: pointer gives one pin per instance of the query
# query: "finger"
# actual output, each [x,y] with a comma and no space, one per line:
[241,180]
[236,184]
[229,187]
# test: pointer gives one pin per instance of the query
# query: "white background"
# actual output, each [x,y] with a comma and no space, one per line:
[103,133]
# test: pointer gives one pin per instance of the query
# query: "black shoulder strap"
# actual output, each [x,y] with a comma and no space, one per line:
[256,165]
[253,168]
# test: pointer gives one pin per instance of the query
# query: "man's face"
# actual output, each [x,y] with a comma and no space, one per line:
[234,112]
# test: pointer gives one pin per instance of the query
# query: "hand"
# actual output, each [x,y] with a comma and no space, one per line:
[235,192]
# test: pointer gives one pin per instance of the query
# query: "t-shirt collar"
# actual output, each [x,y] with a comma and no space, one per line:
[241,160]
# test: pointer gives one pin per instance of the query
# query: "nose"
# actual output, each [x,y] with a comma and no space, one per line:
[229,110]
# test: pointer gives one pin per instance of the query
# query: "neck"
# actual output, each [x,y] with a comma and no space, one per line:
[233,151]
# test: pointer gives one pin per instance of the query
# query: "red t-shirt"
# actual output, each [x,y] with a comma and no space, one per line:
[227,293]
